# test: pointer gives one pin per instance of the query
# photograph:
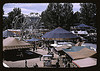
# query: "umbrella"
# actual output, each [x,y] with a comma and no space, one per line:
[59,33]
[33,39]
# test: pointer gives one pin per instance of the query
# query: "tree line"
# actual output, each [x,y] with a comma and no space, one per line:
[62,15]
[59,15]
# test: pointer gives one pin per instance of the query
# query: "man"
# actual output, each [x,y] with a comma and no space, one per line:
[36,48]
[40,57]
[26,63]
[68,65]
[57,65]
[36,66]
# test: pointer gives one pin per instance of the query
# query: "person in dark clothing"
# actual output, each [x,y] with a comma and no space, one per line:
[25,63]
[49,49]
[68,65]
[40,57]
[48,53]
[57,65]
[57,60]
[33,49]
[65,62]
[80,40]
[36,66]
[52,54]
[36,48]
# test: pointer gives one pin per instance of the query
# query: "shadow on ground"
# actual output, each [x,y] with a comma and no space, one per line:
[14,55]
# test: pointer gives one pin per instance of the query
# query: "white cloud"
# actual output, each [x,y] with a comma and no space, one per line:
[27,11]
[25,7]
[25,4]
[7,10]
[32,7]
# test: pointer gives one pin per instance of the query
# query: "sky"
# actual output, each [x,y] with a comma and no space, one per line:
[27,8]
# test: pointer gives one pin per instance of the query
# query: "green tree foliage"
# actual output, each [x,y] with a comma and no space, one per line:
[57,15]
[50,16]
[5,22]
[88,13]
[76,17]
[67,12]
[11,16]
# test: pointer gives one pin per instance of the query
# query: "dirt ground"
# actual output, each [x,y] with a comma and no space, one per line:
[30,62]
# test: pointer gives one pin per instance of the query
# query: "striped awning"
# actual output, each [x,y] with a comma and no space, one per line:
[13,43]
[16,47]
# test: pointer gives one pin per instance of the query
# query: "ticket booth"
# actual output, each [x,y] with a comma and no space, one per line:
[47,60]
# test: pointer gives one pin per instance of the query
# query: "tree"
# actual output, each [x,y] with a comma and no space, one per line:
[67,15]
[51,16]
[76,17]
[5,22]
[88,12]
[12,15]
[57,15]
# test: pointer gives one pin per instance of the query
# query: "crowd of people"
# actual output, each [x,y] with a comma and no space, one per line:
[50,49]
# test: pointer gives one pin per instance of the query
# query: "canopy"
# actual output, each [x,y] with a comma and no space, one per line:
[33,39]
[80,52]
[80,32]
[83,25]
[13,43]
[59,33]
[86,62]
[75,48]
[7,33]
[92,27]
[61,47]
[17,31]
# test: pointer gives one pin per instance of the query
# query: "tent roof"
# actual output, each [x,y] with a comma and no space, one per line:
[62,47]
[86,62]
[92,27]
[77,53]
[82,25]
[85,26]
[33,39]
[75,48]
[59,33]
[7,33]
[12,43]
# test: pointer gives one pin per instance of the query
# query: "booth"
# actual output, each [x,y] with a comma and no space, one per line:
[47,60]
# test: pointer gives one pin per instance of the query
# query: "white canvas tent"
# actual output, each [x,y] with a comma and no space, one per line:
[13,43]
[86,62]
[83,53]
[83,32]
[80,32]
[61,47]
